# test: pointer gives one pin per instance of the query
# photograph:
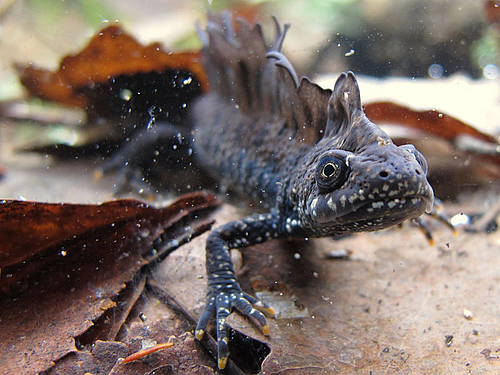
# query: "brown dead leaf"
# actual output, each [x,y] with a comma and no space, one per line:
[28,228]
[110,53]
[430,122]
[72,278]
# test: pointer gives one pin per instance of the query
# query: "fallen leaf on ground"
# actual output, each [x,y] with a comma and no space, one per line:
[109,54]
[64,265]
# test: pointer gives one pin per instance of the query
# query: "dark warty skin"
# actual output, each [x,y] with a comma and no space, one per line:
[307,155]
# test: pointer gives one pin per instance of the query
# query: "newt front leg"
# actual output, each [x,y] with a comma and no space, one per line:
[224,291]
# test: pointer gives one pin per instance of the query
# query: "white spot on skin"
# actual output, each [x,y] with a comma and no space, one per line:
[385,187]
[331,204]
[342,200]
[314,203]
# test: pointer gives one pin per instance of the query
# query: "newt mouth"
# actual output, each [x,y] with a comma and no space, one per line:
[398,204]
[381,213]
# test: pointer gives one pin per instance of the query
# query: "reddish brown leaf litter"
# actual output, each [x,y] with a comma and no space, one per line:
[31,227]
[110,53]
[430,122]
[80,267]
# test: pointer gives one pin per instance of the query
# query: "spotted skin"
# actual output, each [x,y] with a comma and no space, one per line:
[306,156]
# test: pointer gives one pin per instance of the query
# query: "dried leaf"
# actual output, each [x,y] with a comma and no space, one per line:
[430,122]
[72,278]
[110,53]
[28,228]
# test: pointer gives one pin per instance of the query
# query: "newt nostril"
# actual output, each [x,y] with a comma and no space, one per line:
[417,171]
[383,174]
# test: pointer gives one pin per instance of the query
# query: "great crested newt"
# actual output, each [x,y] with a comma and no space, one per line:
[308,156]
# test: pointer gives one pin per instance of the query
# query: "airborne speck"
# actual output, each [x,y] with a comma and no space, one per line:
[125,94]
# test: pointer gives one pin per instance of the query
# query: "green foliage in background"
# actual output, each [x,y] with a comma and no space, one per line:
[49,12]
[485,50]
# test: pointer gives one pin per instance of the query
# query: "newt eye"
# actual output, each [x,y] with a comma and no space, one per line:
[330,173]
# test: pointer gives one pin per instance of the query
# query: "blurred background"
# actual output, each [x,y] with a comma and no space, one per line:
[424,54]
[408,38]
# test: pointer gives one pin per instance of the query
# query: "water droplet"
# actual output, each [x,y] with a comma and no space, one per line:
[490,71]
[125,94]
[435,71]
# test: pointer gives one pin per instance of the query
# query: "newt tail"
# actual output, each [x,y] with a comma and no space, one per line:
[308,156]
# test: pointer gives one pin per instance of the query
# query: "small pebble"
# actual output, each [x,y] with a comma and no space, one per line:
[468,314]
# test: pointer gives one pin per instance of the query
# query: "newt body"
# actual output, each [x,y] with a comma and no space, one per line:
[307,155]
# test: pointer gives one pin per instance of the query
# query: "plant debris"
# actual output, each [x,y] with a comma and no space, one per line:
[71,261]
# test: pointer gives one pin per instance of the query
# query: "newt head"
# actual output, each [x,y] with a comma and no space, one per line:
[357,178]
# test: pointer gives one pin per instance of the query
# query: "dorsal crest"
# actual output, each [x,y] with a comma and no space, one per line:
[259,79]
